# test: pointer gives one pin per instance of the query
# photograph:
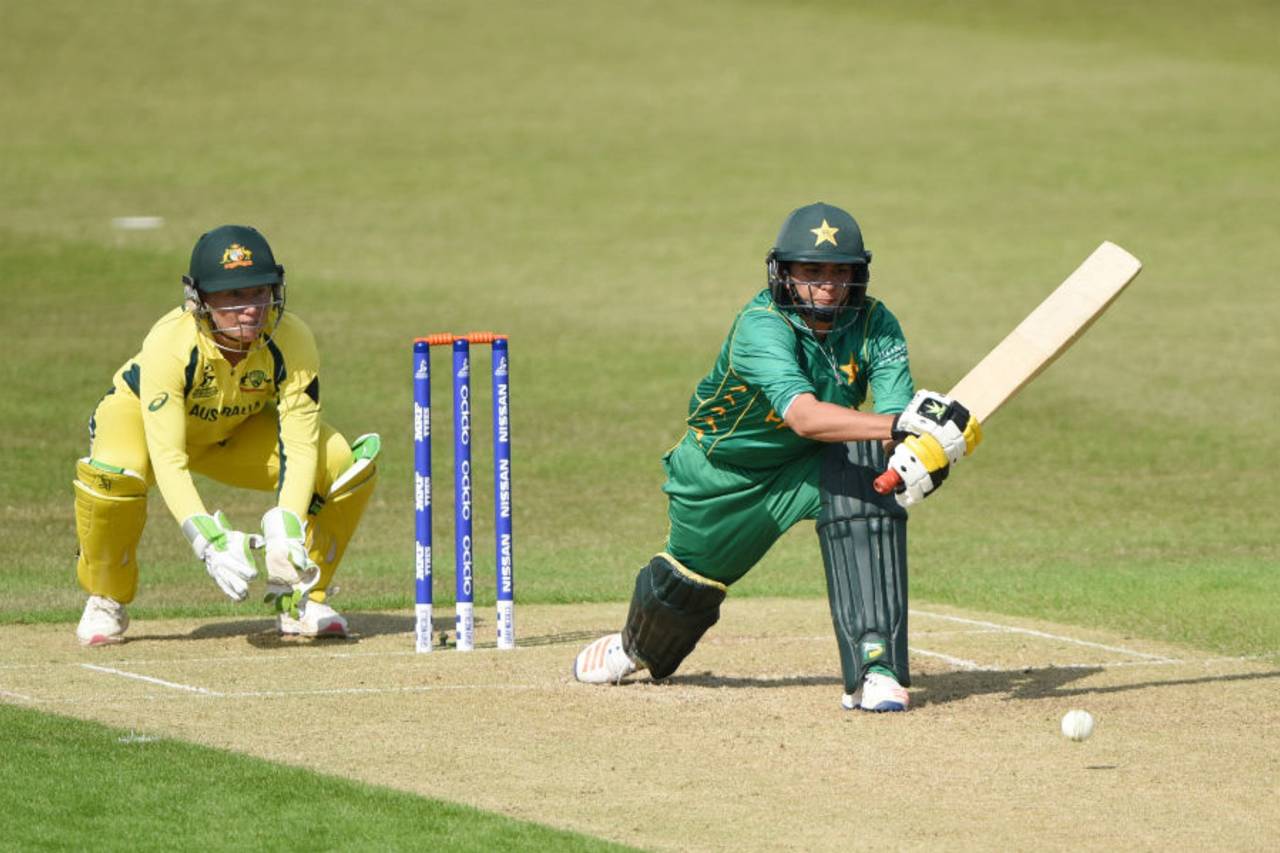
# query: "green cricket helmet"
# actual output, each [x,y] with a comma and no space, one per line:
[233,257]
[230,257]
[819,233]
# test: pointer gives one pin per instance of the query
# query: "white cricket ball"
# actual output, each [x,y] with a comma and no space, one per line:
[1077,724]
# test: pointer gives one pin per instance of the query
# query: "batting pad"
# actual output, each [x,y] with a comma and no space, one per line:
[863,536]
[671,608]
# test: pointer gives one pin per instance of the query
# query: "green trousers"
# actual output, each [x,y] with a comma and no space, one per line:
[724,518]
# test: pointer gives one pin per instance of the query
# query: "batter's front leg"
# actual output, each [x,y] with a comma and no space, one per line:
[863,536]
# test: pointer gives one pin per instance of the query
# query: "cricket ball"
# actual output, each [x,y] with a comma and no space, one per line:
[1077,724]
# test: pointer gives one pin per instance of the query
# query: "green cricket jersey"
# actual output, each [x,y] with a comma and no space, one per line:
[736,413]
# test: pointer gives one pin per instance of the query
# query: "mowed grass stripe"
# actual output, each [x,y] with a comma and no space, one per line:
[613,177]
[85,786]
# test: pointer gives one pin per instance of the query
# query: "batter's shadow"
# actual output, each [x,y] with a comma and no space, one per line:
[1039,683]
[1044,683]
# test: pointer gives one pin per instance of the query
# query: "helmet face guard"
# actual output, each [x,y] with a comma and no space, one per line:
[231,337]
[786,295]
[234,257]
[818,234]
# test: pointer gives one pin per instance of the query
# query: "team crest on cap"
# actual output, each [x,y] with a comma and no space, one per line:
[238,256]
[824,233]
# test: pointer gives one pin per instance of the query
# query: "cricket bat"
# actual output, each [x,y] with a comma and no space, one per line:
[1040,338]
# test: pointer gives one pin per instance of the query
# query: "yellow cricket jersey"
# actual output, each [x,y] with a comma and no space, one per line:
[191,397]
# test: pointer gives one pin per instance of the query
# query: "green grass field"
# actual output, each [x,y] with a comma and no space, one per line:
[602,182]
[84,785]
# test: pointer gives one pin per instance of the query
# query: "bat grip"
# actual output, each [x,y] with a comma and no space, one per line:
[888,482]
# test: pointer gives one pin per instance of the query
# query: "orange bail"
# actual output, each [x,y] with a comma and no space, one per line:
[484,337]
[435,340]
[447,338]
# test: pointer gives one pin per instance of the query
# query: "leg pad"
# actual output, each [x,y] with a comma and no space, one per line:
[671,608]
[111,510]
[334,517]
[863,537]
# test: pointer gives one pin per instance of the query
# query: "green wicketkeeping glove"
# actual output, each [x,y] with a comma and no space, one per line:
[291,573]
[227,553]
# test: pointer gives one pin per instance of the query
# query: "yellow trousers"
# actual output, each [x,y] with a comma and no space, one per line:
[249,459]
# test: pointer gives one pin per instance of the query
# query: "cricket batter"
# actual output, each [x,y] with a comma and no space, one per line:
[774,436]
[228,386]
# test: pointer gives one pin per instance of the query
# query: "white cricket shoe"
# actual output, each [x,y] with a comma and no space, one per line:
[603,662]
[103,623]
[879,693]
[315,619]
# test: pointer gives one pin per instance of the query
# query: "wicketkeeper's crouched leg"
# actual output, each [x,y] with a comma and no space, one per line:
[864,553]
[111,510]
[671,608]
[345,478]
[333,517]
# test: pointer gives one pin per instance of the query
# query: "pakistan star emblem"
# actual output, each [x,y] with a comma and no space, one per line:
[935,409]
[825,234]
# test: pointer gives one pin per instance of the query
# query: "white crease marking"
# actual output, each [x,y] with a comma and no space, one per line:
[158,681]
[424,688]
[1043,635]
[954,661]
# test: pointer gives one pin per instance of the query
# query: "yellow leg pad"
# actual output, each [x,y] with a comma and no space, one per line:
[111,510]
[330,529]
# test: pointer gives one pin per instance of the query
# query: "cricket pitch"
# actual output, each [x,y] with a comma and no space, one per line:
[746,748]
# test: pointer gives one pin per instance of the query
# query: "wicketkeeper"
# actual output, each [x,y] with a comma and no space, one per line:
[228,386]
[774,437]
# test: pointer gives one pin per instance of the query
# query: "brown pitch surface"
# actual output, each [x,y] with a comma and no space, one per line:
[746,748]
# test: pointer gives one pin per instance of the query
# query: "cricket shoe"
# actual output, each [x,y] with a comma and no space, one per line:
[879,693]
[315,619]
[603,662]
[103,623]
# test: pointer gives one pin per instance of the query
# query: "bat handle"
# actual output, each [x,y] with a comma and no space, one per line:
[888,482]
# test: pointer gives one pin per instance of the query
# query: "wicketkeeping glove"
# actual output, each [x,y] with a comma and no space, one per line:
[291,573]
[227,553]
[931,413]
[922,464]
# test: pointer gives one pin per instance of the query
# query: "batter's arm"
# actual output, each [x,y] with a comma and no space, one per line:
[809,417]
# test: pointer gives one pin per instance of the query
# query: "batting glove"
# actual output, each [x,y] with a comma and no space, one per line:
[922,464]
[931,413]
